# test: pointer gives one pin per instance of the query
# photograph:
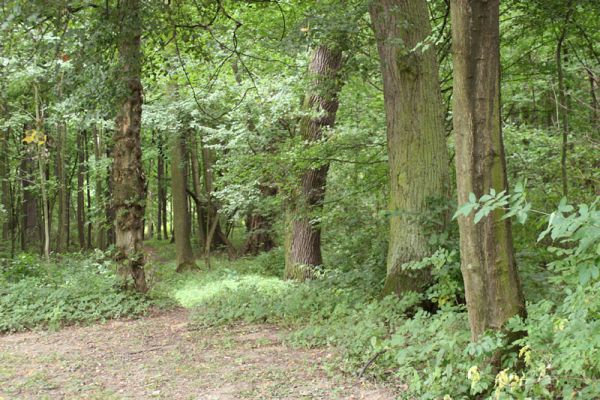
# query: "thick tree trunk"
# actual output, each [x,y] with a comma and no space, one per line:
[129,193]
[417,152]
[303,237]
[181,215]
[492,287]
[80,193]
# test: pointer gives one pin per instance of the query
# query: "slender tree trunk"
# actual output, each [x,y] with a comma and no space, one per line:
[99,197]
[63,199]
[181,215]
[149,214]
[88,191]
[4,178]
[563,109]
[303,237]
[492,287]
[417,152]
[200,207]
[80,191]
[260,226]
[160,172]
[29,210]
[129,193]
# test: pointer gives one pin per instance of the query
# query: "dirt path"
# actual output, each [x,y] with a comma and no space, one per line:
[159,358]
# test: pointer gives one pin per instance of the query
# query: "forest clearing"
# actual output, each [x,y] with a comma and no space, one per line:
[300,199]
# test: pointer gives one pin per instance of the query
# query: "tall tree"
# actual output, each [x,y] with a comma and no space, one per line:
[417,152]
[492,287]
[181,214]
[128,191]
[80,193]
[303,241]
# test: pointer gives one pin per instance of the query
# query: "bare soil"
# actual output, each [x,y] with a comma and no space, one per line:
[160,357]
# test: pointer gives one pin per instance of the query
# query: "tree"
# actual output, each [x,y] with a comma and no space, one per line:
[417,153]
[303,242]
[492,287]
[129,193]
[181,214]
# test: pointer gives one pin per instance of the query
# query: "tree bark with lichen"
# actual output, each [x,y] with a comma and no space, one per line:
[129,181]
[492,287]
[417,152]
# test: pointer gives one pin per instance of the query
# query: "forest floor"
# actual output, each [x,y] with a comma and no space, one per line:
[162,357]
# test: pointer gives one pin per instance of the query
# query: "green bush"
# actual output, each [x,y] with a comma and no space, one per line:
[71,290]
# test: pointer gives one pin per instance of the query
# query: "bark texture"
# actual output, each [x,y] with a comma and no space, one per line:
[303,236]
[417,152]
[181,214]
[492,287]
[128,179]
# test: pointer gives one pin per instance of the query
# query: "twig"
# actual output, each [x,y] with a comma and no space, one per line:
[368,364]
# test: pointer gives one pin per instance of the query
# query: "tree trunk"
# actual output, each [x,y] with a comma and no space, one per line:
[160,172]
[200,207]
[563,106]
[417,152]
[303,238]
[492,287]
[80,193]
[29,210]
[4,179]
[63,198]
[181,215]
[99,197]
[129,193]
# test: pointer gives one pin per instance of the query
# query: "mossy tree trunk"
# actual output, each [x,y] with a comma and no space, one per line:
[181,214]
[128,179]
[303,235]
[417,152]
[492,287]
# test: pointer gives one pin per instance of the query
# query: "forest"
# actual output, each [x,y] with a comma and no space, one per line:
[300,199]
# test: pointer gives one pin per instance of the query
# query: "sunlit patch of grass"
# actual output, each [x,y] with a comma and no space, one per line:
[194,293]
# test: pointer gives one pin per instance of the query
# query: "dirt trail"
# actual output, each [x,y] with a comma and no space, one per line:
[158,357]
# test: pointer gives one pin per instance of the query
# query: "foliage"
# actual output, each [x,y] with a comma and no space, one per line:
[71,290]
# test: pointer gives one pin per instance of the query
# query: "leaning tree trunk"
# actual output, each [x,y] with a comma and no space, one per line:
[492,287]
[128,191]
[417,152]
[181,215]
[303,236]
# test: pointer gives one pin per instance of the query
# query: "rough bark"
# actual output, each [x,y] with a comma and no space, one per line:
[129,193]
[492,287]
[303,236]
[417,152]
[181,215]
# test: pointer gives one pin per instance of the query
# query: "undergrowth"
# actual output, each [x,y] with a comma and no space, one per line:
[73,289]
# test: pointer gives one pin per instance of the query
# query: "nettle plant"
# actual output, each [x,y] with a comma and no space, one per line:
[573,230]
